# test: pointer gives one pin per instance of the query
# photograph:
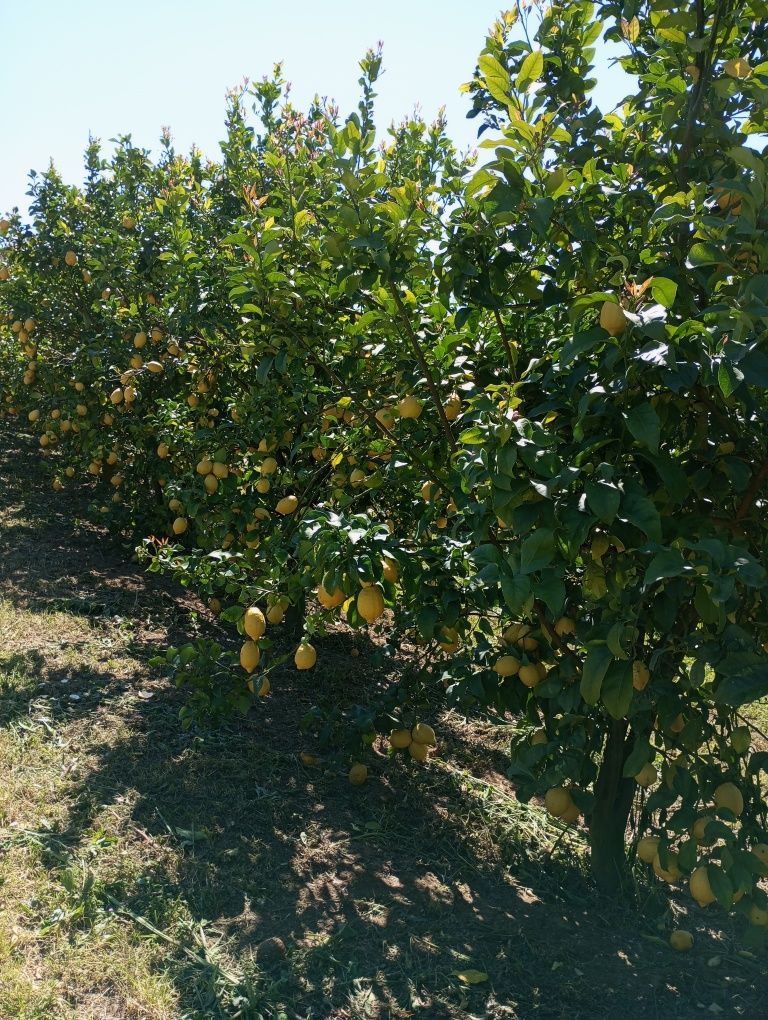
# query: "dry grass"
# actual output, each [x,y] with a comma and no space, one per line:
[148,873]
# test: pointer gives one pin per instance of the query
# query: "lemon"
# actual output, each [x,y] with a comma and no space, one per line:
[448,639]
[539,736]
[268,466]
[211,484]
[254,623]
[422,733]
[529,674]
[214,605]
[139,340]
[741,738]
[700,827]
[452,406]
[358,774]
[70,258]
[700,888]
[370,603]
[612,318]
[409,407]
[128,222]
[564,626]
[155,366]
[180,525]
[276,612]
[287,505]
[419,752]
[570,814]
[305,657]
[163,450]
[390,570]
[204,467]
[330,600]
[681,940]
[400,739]
[306,758]
[728,797]
[640,675]
[249,656]
[669,874]
[647,775]
[116,396]
[507,665]
[557,800]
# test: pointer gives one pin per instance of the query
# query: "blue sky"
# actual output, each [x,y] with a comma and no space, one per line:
[70,68]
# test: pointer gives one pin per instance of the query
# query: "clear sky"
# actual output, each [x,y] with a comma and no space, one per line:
[70,67]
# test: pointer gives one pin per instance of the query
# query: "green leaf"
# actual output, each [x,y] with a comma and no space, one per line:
[599,658]
[643,422]
[551,590]
[537,550]
[664,291]
[616,691]
[721,886]
[639,510]
[705,254]
[516,589]
[668,563]
[640,754]
[603,499]
[745,681]
[530,70]
[496,77]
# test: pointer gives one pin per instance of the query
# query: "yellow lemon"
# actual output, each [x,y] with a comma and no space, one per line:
[254,623]
[305,657]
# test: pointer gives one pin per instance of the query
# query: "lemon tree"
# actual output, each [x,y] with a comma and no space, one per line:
[512,408]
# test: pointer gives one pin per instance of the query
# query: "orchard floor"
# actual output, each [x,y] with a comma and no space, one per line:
[150,874]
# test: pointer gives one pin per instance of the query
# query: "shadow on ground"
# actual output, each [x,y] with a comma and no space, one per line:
[328,901]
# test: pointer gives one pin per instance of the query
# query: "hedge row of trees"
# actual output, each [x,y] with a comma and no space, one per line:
[512,408]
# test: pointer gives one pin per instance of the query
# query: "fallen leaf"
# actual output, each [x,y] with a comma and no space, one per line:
[471,977]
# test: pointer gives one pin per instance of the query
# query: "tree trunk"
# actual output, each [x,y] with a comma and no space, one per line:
[613,802]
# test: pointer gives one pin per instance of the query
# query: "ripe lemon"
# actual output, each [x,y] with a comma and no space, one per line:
[211,484]
[449,639]
[452,406]
[287,505]
[254,623]
[268,466]
[70,258]
[358,774]
[370,603]
[700,827]
[400,739]
[128,222]
[116,396]
[647,775]
[669,874]
[529,674]
[419,752]
[306,758]
[557,801]
[422,733]
[409,407]
[250,654]
[570,815]
[612,318]
[264,688]
[728,797]
[305,657]
[390,569]
[139,340]
[329,600]
[276,612]
[647,848]
[564,626]
[163,450]
[155,366]
[640,675]
[681,940]
[430,491]
[700,888]
[514,632]
[180,525]
[507,665]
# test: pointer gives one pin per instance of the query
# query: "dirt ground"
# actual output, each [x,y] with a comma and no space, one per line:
[146,872]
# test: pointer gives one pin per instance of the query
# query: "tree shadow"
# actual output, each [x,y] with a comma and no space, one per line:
[332,900]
